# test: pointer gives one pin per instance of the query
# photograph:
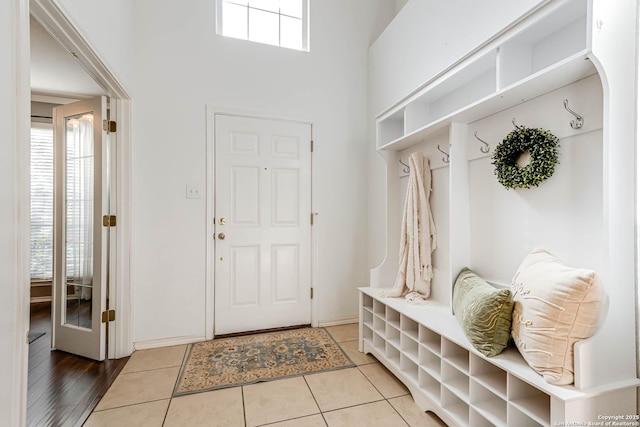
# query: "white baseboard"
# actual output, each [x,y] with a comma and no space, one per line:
[347,321]
[41,299]
[167,342]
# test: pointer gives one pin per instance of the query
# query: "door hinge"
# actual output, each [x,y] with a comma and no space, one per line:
[109,126]
[311,218]
[312,145]
[109,221]
[108,316]
[311,293]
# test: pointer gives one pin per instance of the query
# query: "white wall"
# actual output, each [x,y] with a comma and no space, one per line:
[425,38]
[14,178]
[180,66]
[107,27]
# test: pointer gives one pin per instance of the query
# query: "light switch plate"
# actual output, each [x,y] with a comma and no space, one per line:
[193,191]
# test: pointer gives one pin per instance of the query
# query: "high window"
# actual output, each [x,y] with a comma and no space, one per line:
[276,22]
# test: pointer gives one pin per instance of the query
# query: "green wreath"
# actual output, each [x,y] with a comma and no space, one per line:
[543,147]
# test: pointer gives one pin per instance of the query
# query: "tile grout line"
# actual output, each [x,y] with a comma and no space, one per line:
[387,398]
[148,370]
[355,406]
[130,404]
[304,377]
[244,410]
[289,419]
[398,412]
[166,413]
[175,384]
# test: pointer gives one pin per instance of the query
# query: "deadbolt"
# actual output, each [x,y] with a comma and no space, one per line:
[222,221]
[221,236]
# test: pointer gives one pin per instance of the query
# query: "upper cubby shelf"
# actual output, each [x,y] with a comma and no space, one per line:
[546,53]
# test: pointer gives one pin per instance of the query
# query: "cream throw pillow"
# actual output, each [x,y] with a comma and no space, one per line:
[554,307]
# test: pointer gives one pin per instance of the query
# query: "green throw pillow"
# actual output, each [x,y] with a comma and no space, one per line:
[484,312]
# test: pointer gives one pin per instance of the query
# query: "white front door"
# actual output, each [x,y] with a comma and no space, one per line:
[80,242]
[262,224]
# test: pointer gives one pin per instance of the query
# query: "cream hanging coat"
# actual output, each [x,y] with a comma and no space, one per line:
[418,233]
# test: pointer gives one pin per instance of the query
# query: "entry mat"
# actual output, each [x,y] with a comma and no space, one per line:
[235,361]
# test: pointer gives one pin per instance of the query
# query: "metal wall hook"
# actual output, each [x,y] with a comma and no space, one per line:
[486,147]
[406,168]
[446,155]
[579,121]
[513,120]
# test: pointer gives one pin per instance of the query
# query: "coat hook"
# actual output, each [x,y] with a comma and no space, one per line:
[446,155]
[579,121]
[513,120]
[406,168]
[486,147]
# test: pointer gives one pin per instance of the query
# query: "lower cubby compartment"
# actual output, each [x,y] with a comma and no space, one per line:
[430,362]
[476,419]
[367,333]
[430,339]
[518,418]
[378,342]
[429,384]
[409,327]
[409,347]
[367,302]
[529,401]
[486,403]
[367,317]
[488,375]
[393,335]
[455,355]
[455,380]
[393,355]
[409,367]
[378,324]
[456,407]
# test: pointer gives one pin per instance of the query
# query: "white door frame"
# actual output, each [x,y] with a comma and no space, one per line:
[120,336]
[211,112]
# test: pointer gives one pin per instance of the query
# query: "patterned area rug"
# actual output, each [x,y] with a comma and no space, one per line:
[249,359]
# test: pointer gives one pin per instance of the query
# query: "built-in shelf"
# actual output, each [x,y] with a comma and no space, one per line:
[461,384]
[566,71]
[546,54]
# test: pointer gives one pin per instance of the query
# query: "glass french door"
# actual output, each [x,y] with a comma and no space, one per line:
[82,196]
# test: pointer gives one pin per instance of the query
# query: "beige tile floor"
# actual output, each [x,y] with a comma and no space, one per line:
[366,395]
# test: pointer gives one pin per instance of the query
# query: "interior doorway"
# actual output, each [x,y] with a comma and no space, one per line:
[63,388]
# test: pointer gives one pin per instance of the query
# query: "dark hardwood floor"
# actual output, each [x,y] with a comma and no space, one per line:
[63,388]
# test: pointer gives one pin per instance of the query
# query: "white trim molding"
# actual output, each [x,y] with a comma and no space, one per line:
[346,321]
[145,345]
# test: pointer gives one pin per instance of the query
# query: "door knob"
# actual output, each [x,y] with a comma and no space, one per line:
[222,221]
[221,236]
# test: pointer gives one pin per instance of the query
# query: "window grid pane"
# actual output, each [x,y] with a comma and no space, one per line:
[291,8]
[264,27]
[235,21]
[290,32]
[267,5]
[274,22]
